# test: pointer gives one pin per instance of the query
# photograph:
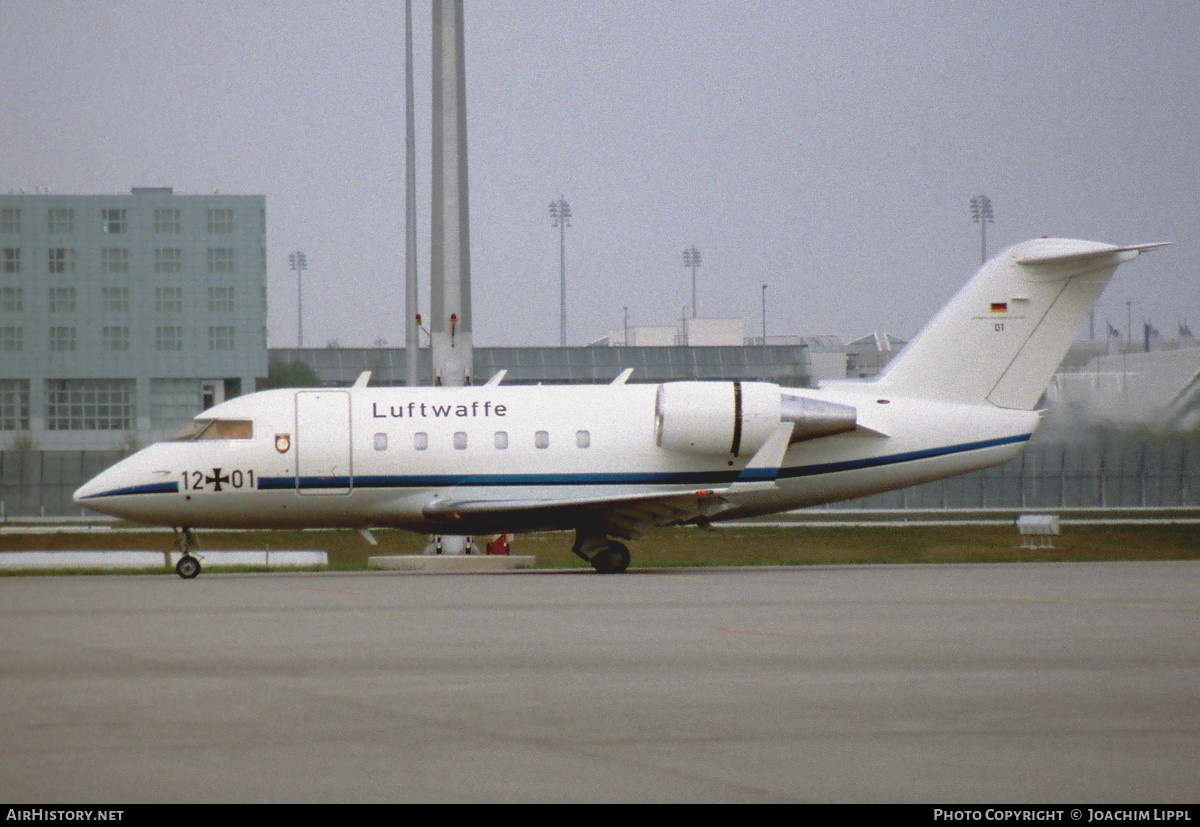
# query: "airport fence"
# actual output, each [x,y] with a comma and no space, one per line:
[1104,473]
[40,483]
[1099,473]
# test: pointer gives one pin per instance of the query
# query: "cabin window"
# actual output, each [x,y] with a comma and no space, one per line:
[583,439]
[541,439]
[460,440]
[420,440]
[380,442]
[501,440]
[215,429]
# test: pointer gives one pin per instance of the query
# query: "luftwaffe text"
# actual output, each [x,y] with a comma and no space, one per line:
[428,410]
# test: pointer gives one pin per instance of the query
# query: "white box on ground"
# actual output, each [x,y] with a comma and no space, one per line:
[1037,524]
[256,559]
[121,559]
[18,560]
[452,563]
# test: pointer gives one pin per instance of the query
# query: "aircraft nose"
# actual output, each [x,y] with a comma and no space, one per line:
[108,491]
[89,489]
[93,492]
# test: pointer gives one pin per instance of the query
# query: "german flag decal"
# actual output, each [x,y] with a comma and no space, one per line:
[999,307]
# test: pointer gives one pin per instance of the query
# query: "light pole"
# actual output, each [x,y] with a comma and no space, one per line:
[298,262]
[981,214]
[764,315]
[560,217]
[764,332]
[1128,344]
[691,258]
[626,309]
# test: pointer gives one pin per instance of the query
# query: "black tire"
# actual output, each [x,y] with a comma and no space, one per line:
[612,560]
[187,567]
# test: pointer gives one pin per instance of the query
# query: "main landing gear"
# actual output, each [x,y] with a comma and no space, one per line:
[605,556]
[188,566]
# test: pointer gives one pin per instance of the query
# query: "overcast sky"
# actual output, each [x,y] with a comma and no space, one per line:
[827,149]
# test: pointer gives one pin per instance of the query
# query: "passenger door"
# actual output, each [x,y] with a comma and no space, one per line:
[322,437]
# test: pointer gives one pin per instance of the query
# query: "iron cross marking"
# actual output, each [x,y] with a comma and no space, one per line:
[217,479]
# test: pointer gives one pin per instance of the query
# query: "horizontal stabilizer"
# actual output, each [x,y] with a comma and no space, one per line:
[1058,258]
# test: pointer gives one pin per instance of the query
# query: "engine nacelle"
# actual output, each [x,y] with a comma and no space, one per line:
[734,418]
[716,418]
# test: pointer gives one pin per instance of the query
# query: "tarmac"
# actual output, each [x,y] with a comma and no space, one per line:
[1013,683]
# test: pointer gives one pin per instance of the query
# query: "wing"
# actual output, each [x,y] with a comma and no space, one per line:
[628,516]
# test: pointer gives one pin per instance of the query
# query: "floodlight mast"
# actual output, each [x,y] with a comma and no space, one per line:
[981,214]
[298,262]
[691,258]
[560,217]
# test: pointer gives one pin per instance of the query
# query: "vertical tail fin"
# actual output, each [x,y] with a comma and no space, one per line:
[1001,338]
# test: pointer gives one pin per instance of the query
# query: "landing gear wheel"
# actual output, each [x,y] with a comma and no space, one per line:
[187,567]
[613,559]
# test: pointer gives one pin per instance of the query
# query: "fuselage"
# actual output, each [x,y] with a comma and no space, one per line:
[380,457]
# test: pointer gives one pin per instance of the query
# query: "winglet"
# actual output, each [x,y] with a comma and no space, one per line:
[496,379]
[362,380]
[623,377]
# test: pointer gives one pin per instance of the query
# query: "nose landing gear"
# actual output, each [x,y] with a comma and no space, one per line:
[188,566]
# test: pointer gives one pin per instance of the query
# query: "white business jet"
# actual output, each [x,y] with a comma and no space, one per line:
[613,461]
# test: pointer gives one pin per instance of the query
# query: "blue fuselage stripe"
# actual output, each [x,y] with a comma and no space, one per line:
[152,488]
[892,459]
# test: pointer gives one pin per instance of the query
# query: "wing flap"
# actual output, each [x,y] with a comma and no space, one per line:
[623,515]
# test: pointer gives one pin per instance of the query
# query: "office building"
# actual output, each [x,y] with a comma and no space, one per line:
[122,316]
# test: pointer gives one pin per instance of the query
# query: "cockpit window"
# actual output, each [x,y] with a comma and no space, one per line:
[215,429]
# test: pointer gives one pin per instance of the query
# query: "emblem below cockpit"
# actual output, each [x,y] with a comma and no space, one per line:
[283,442]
